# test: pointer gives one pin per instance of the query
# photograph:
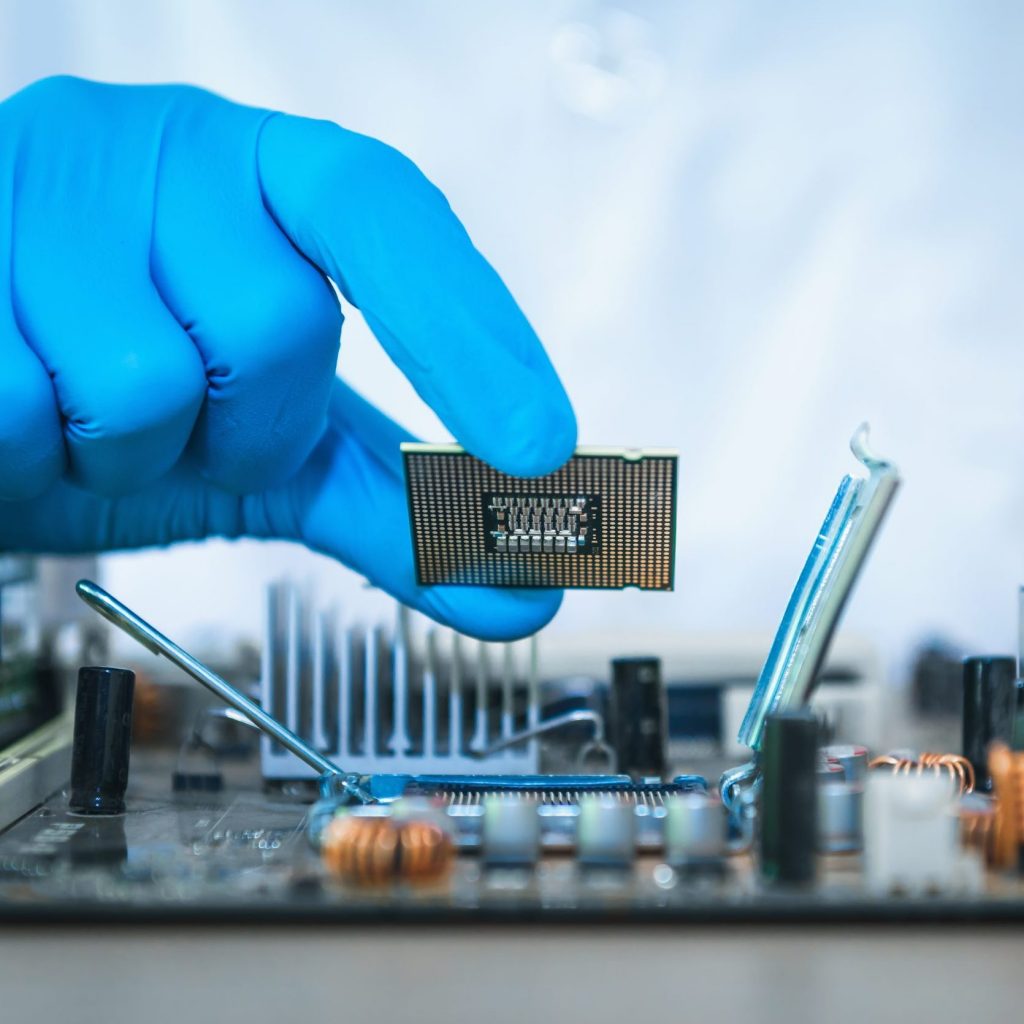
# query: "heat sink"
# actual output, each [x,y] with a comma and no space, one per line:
[393,698]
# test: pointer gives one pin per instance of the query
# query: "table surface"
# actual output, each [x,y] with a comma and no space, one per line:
[515,974]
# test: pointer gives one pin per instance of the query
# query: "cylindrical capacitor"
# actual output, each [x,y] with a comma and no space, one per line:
[853,759]
[510,832]
[840,816]
[789,797]
[990,707]
[605,832]
[696,830]
[638,717]
[102,740]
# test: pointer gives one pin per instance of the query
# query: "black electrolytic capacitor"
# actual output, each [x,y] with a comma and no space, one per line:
[990,708]
[102,741]
[638,718]
[789,797]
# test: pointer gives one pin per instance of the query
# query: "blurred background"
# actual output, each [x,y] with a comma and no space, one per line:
[739,229]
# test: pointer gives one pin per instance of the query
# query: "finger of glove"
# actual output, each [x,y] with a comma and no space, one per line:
[350,503]
[366,216]
[128,380]
[31,442]
[264,319]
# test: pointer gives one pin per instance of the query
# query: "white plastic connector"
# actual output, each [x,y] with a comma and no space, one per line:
[911,836]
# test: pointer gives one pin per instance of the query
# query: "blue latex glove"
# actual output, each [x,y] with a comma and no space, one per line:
[168,336]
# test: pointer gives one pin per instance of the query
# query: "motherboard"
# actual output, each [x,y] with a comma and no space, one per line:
[391,769]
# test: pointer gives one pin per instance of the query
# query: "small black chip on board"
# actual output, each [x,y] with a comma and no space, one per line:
[606,519]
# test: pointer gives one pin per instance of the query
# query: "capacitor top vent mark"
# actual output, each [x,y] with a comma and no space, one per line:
[606,519]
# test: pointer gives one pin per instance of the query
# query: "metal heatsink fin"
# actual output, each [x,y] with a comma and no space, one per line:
[606,519]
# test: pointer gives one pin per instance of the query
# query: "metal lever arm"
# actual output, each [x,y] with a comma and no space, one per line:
[153,640]
[553,725]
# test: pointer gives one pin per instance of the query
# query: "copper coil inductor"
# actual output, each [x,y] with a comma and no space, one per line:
[1007,771]
[978,827]
[377,850]
[957,767]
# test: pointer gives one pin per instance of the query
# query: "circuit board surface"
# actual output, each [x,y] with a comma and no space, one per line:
[606,519]
[242,854]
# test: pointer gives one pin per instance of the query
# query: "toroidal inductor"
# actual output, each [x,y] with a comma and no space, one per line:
[959,768]
[377,850]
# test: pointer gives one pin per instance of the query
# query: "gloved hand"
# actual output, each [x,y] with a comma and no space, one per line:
[168,336]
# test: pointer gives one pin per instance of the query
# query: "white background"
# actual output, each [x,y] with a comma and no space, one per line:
[740,230]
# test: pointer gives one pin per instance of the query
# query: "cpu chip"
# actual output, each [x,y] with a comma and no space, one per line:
[606,519]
